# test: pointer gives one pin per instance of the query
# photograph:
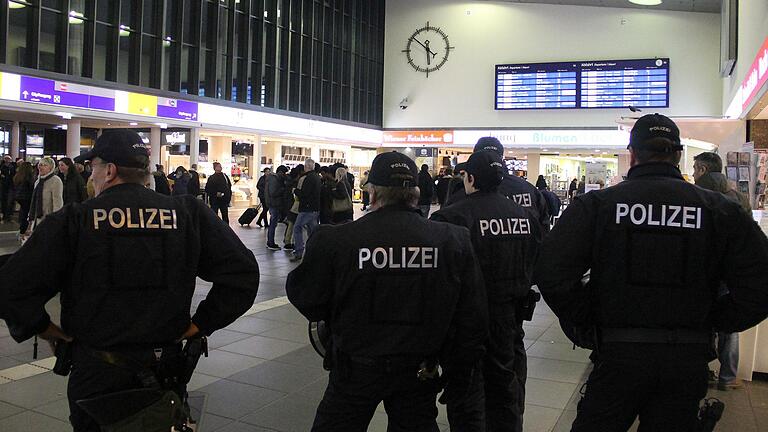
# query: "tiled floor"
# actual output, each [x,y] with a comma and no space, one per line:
[262,375]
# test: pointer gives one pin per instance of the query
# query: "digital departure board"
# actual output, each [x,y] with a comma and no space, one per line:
[591,84]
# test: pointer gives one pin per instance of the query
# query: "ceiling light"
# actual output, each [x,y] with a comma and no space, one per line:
[133,124]
[167,41]
[65,115]
[13,5]
[76,17]
[125,30]
[162,125]
[646,2]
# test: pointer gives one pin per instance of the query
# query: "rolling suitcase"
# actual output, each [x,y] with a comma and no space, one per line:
[248,216]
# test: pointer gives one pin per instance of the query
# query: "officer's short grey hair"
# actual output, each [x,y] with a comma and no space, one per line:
[392,195]
[309,165]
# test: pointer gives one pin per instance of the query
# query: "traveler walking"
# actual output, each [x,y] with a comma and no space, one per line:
[426,190]
[219,191]
[308,193]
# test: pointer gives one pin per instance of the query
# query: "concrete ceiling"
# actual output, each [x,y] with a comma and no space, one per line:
[707,6]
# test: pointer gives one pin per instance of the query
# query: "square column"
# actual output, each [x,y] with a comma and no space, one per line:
[15,139]
[155,144]
[73,138]
[534,168]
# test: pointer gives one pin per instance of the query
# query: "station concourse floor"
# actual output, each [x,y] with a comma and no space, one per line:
[262,374]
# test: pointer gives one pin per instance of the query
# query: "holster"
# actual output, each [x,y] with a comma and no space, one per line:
[525,307]
[161,402]
[63,355]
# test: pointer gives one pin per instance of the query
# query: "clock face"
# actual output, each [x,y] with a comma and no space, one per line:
[427,49]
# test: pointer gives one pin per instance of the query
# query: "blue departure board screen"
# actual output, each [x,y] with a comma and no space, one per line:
[592,84]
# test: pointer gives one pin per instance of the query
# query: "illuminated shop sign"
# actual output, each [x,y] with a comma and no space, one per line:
[756,77]
[543,138]
[418,137]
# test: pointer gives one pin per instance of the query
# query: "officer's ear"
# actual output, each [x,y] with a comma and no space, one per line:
[111,172]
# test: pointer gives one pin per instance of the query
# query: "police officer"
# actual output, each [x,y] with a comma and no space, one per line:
[658,249]
[399,293]
[125,263]
[512,187]
[506,239]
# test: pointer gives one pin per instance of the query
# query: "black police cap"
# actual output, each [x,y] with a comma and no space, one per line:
[652,126]
[393,169]
[489,144]
[486,167]
[121,147]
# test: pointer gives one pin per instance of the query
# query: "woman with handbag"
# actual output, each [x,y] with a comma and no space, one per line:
[342,199]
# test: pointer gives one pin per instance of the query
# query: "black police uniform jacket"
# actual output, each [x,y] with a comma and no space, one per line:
[506,240]
[126,263]
[519,191]
[394,284]
[658,249]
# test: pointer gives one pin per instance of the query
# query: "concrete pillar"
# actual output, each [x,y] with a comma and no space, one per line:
[277,153]
[73,138]
[15,139]
[534,168]
[155,143]
[194,146]
[315,153]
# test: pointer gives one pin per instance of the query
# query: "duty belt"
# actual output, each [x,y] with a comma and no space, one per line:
[655,336]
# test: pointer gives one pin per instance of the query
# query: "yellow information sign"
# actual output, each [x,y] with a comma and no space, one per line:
[142,104]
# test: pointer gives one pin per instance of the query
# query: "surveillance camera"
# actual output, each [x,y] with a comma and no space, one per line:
[404,104]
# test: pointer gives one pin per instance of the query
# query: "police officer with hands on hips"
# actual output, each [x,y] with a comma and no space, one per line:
[511,186]
[400,293]
[506,239]
[125,264]
[658,250]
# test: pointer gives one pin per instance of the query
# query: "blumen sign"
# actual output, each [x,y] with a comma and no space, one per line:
[176,109]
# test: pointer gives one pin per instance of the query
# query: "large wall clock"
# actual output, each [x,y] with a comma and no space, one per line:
[427,49]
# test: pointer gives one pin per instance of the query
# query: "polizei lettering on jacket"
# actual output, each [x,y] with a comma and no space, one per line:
[523,199]
[398,257]
[659,215]
[135,218]
[502,227]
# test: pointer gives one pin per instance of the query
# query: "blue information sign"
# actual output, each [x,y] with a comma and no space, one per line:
[593,84]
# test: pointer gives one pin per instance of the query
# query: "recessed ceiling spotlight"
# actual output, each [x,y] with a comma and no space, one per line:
[133,124]
[646,2]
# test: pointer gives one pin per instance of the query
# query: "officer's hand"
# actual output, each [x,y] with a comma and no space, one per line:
[54,334]
[191,331]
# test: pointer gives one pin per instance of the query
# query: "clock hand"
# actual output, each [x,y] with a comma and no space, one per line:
[429,50]
[419,42]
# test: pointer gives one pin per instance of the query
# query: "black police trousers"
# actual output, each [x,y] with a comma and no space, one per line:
[661,383]
[355,390]
[495,399]
[91,377]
